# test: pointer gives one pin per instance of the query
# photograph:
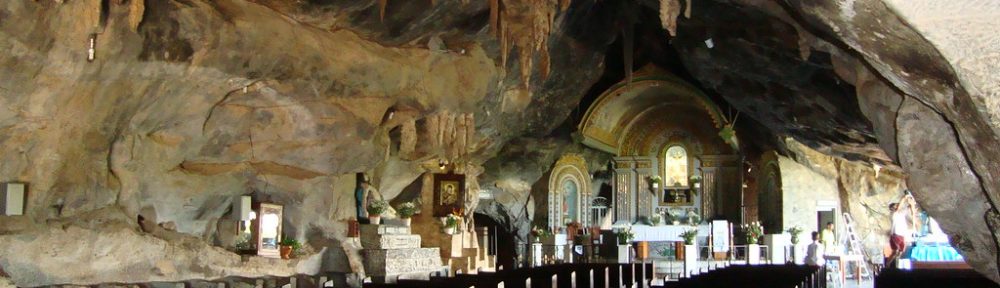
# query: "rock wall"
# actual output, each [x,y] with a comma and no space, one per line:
[190,103]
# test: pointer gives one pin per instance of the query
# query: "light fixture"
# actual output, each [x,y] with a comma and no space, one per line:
[92,48]
[442,164]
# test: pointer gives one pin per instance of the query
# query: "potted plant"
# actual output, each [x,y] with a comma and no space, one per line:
[451,223]
[695,181]
[244,246]
[655,219]
[289,246]
[754,232]
[539,232]
[625,236]
[795,231]
[689,236]
[375,210]
[655,181]
[406,211]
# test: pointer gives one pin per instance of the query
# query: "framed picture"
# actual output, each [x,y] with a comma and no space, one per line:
[449,193]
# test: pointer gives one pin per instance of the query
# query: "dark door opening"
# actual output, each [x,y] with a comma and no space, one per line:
[499,241]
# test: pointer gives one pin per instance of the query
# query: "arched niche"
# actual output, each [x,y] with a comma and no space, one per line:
[569,192]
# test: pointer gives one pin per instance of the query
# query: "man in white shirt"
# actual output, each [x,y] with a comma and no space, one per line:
[814,254]
[900,232]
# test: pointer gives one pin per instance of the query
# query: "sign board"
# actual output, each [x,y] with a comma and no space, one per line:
[720,236]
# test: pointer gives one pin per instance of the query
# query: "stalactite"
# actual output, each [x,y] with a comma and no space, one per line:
[381,9]
[687,11]
[627,46]
[433,125]
[504,46]
[805,50]
[669,10]
[470,133]
[135,10]
[408,138]
[494,17]
[564,4]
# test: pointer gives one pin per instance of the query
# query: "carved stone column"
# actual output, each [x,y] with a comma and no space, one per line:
[644,196]
[624,179]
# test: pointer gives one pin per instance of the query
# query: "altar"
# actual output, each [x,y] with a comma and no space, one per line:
[667,232]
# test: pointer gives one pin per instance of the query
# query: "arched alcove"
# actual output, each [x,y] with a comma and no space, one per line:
[569,192]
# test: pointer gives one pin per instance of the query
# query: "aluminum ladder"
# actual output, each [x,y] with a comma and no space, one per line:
[854,246]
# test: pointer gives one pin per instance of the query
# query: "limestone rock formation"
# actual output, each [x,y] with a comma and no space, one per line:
[187,104]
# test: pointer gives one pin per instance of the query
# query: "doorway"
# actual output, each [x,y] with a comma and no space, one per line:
[823,217]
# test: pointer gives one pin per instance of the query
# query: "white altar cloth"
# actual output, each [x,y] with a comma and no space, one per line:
[667,232]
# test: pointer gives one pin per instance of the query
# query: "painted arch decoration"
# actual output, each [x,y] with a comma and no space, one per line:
[626,108]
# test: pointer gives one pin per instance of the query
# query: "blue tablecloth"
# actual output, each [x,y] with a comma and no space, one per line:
[933,252]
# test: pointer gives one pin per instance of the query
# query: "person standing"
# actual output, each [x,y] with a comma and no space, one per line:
[829,239]
[900,229]
[814,254]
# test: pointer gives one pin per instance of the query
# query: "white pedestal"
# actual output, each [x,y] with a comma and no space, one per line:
[777,242]
[753,254]
[690,260]
[536,254]
[624,253]
[799,253]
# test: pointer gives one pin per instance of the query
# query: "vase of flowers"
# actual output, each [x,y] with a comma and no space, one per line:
[689,236]
[406,212]
[655,181]
[539,232]
[451,223]
[695,181]
[625,236]
[375,210]
[754,231]
[795,232]
[655,219]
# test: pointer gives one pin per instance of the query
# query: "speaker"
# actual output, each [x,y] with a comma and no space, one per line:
[242,208]
[12,199]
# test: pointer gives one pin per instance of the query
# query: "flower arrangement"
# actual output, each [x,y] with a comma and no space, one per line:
[290,242]
[689,236]
[377,207]
[451,221]
[655,219]
[406,210]
[695,178]
[655,179]
[539,232]
[625,236]
[754,231]
[694,219]
[795,231]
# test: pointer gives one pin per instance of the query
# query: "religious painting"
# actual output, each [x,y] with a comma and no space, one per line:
[449,194]
[675,163]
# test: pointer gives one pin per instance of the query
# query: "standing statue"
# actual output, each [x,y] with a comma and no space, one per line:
[360,199]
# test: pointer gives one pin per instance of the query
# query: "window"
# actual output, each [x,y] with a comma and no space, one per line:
[675,167]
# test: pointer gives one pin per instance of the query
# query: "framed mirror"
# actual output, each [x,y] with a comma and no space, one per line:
[267,229]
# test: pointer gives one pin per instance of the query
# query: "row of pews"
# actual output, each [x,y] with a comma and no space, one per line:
[604,275]
[751,276]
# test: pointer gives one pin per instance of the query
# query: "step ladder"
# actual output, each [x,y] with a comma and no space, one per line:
[854,246]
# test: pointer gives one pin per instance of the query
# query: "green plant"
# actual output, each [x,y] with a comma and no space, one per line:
[540,232]
[377,207]
[406,210]
[694,219]
[695,179]
[754,230]
[244,244]
[795,231]
[655,219]
[291,242]
[625,236]
[689,236]
[451,221]
[655,179]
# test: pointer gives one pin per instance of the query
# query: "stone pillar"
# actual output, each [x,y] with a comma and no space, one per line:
[708,192]
[623,182]
[644,195]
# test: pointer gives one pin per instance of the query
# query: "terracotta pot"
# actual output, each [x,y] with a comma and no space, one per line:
[286,252]
[407,221]
[375,219]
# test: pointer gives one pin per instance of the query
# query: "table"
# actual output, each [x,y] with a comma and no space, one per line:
[841,259]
